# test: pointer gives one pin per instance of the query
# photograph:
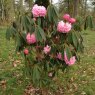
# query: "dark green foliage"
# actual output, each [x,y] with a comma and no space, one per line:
[68,52]
[75,40]
[20,41]
[27,23]
[11,32]
[79,23]
[52,14]
[89,22]
[40,35]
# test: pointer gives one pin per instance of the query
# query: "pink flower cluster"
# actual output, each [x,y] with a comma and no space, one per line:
[47,49]
[69,19]
[59,56]
[31,38]
[63,27]
[39,11]
[69,62]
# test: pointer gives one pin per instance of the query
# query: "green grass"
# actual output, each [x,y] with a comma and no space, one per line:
[12,75]
[76,80]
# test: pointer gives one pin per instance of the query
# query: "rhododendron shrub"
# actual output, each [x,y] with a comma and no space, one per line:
[47,43]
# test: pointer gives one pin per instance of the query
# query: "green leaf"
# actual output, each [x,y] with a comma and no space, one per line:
[36,74]
[79,37]
[69,37]
[26,23]
[20,41]
[46,66]
[91,23]
[40,35]
[52,14]
[49,13]
[75,40]
[80,48]
[39,21]
[55,10]
[78,25]
[55,14]
[88,23]
[68,52]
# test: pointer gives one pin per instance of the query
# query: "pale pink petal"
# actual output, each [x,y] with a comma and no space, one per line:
[31,38]
[59,56]
[47,49]
[63,27]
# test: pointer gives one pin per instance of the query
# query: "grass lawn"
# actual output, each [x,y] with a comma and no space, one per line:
[77,80]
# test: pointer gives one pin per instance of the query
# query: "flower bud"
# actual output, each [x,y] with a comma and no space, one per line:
[26,51]
[66,17]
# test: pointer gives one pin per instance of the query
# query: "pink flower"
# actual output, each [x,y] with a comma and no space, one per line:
[60,26]
[72,20]
[26,51]
[69,62]
[31,39]
[42,11]
[65,57]
[66,17]
[35,10]
[67,27]
[39,11]
[72,60]
[59,56]
[63,27]
[47,49]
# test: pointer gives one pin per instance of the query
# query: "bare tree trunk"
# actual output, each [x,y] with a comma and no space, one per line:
[2,9]
[85,8]
[21,6]
[75,6]
[68,5]
[30,4]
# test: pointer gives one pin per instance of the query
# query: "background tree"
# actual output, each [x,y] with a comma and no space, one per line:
[9,9]
[74,7]
[93,7]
